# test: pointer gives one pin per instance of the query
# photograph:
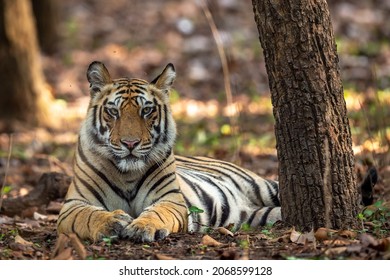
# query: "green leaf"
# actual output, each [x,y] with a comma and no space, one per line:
[368,212]
[246,227]
[196,210]
[109,240]
[7,189]
[266,231]
[378,203]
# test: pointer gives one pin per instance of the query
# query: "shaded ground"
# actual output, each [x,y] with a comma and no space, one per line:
[137,38]
[37,240]
[30,234]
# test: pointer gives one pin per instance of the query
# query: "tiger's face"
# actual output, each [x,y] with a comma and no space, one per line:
[129,120]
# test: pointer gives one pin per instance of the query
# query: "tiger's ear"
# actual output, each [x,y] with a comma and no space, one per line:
[98,76]
[165,80]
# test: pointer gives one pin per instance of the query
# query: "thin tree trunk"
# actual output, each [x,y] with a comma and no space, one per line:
[23,94]
[314,145]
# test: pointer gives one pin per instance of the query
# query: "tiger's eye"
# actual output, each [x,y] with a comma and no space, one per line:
[113,112]
[146,111]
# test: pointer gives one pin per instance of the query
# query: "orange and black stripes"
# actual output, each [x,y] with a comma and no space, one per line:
[127,181]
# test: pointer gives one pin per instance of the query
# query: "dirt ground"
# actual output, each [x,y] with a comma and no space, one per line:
[29,232]
[29,239]
[137,38]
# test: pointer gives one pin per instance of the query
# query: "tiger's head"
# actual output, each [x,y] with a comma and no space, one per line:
[129,121]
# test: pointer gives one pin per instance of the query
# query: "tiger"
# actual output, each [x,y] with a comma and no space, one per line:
[129,183]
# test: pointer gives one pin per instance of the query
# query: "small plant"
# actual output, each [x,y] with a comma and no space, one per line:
[13,232]
[244,244]
[377,216]
[246,227]
[109,240]
[195,211]
[266,232]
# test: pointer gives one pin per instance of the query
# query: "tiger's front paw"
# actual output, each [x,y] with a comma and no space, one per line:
[142,230]
[110,224]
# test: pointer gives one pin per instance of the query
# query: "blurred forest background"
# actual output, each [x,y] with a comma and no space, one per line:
[138,38]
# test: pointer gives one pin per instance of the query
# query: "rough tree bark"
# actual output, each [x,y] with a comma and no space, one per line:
[314,145]
[23,94]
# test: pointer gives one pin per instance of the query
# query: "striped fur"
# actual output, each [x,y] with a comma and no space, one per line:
[127,181]
[227,193]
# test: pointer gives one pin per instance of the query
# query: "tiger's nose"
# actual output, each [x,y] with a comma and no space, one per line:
[130,143]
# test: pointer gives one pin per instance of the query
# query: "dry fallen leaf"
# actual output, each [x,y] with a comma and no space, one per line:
[324,233]
[347,234]
[321,234]
[338,242]
[377,244]
[37,216]
[6,220]
[30,224]
[383,244]
[52,218]
[27,249]
[209,241]
[163,257]
[284,238]
[262,236]
[20,240]
[368,240]
[225,231]
[54,207]
[229,255]
[302,238]
[354,248]
[28,212]
[335,251]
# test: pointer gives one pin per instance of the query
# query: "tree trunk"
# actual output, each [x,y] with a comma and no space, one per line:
[314,145]
[23,93]
[47,15]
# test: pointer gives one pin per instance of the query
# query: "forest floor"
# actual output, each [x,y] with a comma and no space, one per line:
[138,38]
